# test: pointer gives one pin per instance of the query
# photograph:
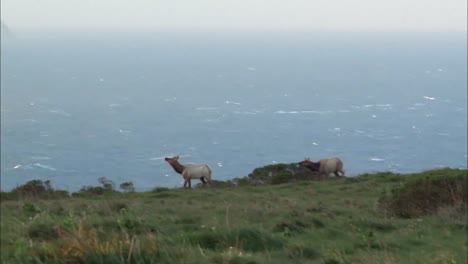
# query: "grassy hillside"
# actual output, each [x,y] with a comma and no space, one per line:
[371,218]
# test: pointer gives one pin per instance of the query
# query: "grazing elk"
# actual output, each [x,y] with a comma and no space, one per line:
[325,166]
[190,171]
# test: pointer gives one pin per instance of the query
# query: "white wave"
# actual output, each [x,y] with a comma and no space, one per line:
[376,159]
[419,104]
[211,120]
[286,112]
[124,131]
[316,112]
[42,166]
[377,105]
[251,69]
[234,103]
[244,113]
[40,158]
[315,144]
[157,158]
[17,166]
[220,164]
[170,99]
[206,108]
[429,97]
[32,120]
[374,116]
[60,112]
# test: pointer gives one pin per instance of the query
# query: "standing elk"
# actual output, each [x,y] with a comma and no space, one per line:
[190,171]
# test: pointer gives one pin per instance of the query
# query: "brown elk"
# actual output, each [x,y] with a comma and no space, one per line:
[325,166]
[190,171]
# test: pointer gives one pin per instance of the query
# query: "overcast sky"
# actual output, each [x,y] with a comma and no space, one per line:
[234,15]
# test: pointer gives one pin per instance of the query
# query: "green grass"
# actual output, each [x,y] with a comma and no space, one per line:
[346,220]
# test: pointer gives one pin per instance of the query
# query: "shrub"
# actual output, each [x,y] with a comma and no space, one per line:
[280,173]
[425,195]
[34,189]
[106,183]
[90,191]
[245,238]
[43,231]
[290,228]
[160,189]
[30,210]
[127,186]
[297,251]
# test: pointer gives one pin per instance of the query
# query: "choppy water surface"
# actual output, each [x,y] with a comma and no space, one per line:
[74,110]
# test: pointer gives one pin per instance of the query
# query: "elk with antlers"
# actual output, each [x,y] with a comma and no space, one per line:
[190,171]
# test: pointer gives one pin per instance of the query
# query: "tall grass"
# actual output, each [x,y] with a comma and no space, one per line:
[348,220]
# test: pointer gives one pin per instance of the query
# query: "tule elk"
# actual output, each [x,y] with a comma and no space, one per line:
[325,166]
[190,171]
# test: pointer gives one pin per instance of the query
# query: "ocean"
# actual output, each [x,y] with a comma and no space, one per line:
[77,108]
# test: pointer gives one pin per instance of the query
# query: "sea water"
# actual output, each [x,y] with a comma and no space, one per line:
[76,108]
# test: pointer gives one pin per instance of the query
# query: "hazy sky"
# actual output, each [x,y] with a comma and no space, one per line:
[234,15]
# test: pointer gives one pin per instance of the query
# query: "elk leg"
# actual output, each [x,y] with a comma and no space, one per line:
[336,173]
[190,183]
[185,183]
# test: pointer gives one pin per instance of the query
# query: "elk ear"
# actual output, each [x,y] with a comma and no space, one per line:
[308,158]
[176,157]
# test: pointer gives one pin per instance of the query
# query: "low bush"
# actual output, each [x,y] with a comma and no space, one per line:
[248,239]
[92,191]
[278,174]
[427,193]
[34,189]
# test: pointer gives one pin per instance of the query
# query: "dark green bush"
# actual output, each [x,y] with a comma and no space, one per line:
[34,189]
[43,231]
[297,251]
[248,239]
[427,193]
[160,189]
[92,191]
[127,186]
[30,210]
[278,174]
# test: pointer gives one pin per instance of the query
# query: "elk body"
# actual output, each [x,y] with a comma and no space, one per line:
[190,171]
[325,166]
